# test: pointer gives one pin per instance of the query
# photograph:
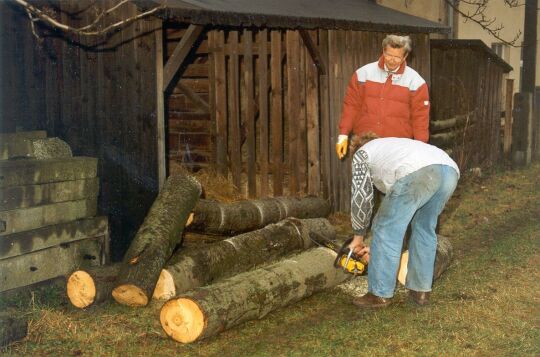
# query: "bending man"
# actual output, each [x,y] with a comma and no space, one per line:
[417,180]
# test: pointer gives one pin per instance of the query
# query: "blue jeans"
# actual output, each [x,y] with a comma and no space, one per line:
[418,198]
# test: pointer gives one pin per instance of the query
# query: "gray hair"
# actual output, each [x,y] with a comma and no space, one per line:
[396,41]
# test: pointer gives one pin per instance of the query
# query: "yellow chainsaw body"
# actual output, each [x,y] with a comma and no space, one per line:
[352,266]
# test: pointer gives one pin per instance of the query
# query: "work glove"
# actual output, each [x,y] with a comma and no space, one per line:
[341,146]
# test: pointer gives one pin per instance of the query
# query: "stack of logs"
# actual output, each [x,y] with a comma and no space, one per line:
[212,288]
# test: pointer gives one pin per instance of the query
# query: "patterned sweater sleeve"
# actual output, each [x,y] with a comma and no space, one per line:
[362,193]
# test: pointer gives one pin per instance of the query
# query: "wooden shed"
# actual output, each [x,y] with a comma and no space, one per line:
[252,89]
[466,92]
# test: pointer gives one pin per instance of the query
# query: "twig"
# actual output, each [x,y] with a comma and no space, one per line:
[478,16]
[36,14]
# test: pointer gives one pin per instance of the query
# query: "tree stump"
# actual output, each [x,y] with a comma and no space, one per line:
[206,311]
[155,241]
[243,216]
[190,268]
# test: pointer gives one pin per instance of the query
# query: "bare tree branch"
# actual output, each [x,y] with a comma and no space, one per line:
[91,29]
[477,14]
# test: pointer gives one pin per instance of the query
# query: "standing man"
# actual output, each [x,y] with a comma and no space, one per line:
[417,180]
[386,97]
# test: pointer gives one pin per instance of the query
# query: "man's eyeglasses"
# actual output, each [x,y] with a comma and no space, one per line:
[395,58]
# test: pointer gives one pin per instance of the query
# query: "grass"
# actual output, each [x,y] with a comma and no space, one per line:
[486,304]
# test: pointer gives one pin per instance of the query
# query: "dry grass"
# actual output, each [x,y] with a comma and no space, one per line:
[487,303]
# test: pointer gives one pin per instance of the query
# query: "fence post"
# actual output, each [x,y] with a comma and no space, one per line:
[507,140]
[536,123]
[522,133]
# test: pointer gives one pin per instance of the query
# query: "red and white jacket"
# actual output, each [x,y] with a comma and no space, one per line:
[390,104]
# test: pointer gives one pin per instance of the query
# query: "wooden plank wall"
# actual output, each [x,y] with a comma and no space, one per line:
[274,125]
[466,99]
[100,99]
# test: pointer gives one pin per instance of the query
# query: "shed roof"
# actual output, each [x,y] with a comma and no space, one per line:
[328,14]
[474,44]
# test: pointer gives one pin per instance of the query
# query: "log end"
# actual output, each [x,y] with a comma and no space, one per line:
[182,319]
[81,289]
[129,295]
[402,272]
[165,288]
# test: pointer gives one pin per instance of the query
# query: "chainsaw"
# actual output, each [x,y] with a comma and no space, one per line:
[345,259]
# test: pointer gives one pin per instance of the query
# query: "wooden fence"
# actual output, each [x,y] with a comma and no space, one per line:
[274,99]
[466,95]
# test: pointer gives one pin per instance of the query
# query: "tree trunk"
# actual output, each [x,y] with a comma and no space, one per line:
[206,311]
[443,259]
[13,327]
[243,216]
[92,286]
[190,268]
[155,241]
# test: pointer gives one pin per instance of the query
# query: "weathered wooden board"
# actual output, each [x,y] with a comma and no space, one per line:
[18,144]
[15,197]
[32,172]
[46,237]
[24,219]
[50,263]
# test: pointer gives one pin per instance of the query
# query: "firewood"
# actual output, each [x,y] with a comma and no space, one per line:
[156,239]
[87,287]
[248,215]
[206,311]
[190,268]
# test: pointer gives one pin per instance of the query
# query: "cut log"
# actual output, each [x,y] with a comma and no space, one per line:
[206,311]
[156,239]
[13,327]
[442,260]
[243,216]
[87,287]
[190,268]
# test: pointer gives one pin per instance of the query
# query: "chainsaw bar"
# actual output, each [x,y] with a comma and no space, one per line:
[345,259]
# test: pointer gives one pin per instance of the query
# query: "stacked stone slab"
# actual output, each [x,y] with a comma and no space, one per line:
[48,206]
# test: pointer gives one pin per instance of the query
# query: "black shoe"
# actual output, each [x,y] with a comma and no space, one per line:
[420,298]
[371,301]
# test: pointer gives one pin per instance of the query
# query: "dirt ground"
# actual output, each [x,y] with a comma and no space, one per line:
[486,304]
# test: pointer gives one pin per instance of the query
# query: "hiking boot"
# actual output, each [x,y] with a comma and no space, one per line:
[420,298]
[370,301]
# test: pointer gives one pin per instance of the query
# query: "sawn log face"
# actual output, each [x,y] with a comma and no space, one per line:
[87,287]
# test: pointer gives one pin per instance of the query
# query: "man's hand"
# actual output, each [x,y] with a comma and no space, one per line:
[341,146]
[358,248]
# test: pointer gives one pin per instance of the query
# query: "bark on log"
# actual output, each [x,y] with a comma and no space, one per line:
[13,327]
[156,239]
[243,216]
[87,287]
[443,259]
[196,267]
[206,311]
